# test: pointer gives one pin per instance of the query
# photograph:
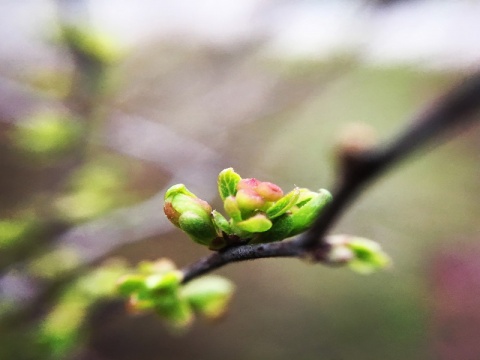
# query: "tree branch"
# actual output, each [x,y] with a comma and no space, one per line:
[455,109]
[242,253]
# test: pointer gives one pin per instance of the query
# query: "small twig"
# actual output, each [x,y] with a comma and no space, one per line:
[241,253]
[456,108]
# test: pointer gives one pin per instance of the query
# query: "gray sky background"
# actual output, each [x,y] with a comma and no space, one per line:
[429,33]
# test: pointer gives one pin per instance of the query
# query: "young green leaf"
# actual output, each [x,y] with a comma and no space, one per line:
[227,183]
[178,189]
[221,223]
[281,228]
[284,204]
[257,223]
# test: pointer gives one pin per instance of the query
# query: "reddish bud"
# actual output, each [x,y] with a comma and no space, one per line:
[251,184]
[269,191]
[249,200]
[171,213]
[266,190]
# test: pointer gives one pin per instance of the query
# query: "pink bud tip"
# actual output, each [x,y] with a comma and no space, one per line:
[269,191]
[251,184]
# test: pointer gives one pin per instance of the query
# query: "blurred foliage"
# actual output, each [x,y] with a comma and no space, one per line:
[47,136]
[156,286]
[54,263]
[13,231]
[63,328]
[93,190]
[90,44]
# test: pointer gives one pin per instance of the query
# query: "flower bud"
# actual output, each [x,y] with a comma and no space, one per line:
[199,228]
[269,191]
[266,190]
[190,214]
[361,255]
[248,201]
[250,184]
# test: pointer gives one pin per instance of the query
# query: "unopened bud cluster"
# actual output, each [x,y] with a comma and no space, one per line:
[259,211]
[361,255]
[156,286]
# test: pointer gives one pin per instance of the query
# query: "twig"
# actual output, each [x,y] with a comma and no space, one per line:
[456,108]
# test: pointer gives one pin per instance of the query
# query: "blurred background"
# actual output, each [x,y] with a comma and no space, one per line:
[105,104]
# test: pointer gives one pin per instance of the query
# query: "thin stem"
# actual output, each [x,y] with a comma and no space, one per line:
[241,253]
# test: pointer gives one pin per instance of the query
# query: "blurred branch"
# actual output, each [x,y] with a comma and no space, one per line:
[94,240]
[358,168]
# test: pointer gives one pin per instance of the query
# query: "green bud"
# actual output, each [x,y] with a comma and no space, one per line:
[249,201]
[231,207]
[255,224]
[190,214]
[281,228]
[227,183]
[361,255]
[175,190]
[209,295]
[199,228]
[369,256]
[304,217]
[179,200]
